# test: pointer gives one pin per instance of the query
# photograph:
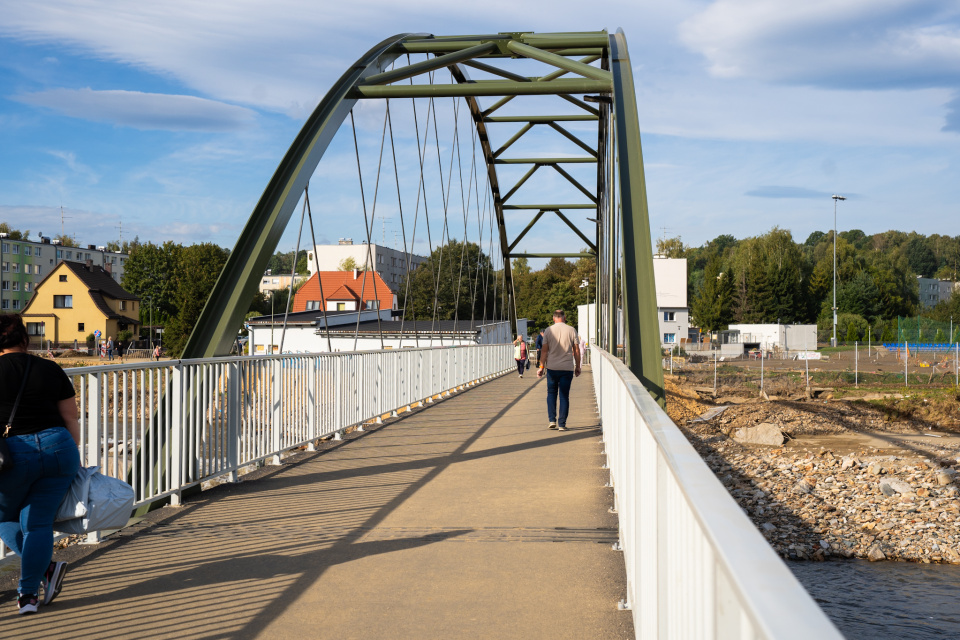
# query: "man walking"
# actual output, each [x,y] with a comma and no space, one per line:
[539,346]
[560,361]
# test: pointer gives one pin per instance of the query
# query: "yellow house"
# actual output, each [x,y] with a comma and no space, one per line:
[76,299]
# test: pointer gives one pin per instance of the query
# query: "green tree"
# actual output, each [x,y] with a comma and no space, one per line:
[920,257]
[860,296]
[151,273]
[196,274]
[349,264]
[14,234]
[454,282]
[671,248]
[711,306]
[852,334]
[66,241]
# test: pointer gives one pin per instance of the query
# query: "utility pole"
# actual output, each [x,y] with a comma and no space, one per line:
[835,199]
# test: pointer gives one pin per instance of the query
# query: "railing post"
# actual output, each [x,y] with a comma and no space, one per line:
[94,395]
[276,414]
[312,402]
[176,431]
[234,418]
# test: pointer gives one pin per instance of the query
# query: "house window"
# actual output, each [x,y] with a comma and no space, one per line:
[313,305]
[6,248]
[26,286]
[373,304]
[669,316]
[36,269]
[6,266]
[26,251]
[37,252]
[16,249]
[63,278]
[123,305]
[16,286]
[669,338]
[16,304]
[6,304]
[87,256]
[69,255]
[16,267]
[34,328]
[63,302]
[59,254]
[6,285]
[80,326]
[341,306]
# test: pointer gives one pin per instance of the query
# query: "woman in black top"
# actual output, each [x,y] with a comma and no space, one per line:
[43,442]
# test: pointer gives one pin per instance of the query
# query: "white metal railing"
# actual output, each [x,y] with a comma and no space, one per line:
[696,566]
[167,426]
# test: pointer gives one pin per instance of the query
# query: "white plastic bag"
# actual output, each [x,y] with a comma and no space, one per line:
[74,504]
[105,503]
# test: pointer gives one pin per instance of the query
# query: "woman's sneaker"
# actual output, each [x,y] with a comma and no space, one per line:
[28,603]
[53,581]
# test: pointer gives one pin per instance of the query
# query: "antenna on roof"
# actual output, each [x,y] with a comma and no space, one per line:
[62,218]
[120,226]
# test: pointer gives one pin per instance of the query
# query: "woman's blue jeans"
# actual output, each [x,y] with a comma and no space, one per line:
[558,383]
[44,465]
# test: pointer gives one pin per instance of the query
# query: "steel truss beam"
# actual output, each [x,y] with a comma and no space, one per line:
[620,201]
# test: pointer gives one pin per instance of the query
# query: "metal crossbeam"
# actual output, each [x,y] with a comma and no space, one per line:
[474,89]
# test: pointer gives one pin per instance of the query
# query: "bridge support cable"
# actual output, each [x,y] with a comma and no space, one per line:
[293,273]
[588,77]
[368,222]
[316,259]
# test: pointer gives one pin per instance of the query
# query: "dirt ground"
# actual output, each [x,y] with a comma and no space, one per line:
[868,468]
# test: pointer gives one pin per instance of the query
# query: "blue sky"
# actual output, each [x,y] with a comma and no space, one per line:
[169,118]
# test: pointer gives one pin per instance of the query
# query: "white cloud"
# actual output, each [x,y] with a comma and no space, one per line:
[70,159]
[832,43]
[143,110]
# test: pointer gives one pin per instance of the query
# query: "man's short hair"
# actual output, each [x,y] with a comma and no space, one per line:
[560,314]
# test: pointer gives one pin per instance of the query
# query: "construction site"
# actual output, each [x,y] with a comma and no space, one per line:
[854,454]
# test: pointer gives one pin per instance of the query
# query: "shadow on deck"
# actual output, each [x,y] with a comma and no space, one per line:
[467,519]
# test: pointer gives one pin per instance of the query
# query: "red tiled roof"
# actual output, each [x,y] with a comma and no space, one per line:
[341,285]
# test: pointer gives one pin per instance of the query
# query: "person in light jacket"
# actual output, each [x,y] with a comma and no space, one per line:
[520,354]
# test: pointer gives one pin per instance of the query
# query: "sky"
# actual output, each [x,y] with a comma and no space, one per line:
[166,120]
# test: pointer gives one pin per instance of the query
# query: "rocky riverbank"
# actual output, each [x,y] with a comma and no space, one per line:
[843,492]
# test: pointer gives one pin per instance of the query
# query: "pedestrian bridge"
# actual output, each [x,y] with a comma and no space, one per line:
[416,492]
[407,494]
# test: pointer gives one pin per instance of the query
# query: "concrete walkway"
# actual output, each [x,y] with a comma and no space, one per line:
[468,519]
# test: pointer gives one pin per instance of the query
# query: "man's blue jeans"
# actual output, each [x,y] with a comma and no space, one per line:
[44,465]
[558,382]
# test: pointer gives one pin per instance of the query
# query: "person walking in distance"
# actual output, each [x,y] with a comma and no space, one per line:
[520,354]
[560,362]
[539,345]
[109,347]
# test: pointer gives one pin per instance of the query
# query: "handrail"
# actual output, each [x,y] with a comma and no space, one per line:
[167,426]
[696,566]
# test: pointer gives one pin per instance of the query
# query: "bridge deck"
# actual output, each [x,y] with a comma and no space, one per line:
[468,519]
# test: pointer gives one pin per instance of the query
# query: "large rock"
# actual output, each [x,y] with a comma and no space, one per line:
[765,434]
[893,486]
[874,554]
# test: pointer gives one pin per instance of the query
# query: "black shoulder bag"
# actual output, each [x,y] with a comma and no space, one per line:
[6,459]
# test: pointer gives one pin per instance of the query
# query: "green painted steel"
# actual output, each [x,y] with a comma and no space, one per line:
[475,89]
[621,222]
[642,348]
[224,312]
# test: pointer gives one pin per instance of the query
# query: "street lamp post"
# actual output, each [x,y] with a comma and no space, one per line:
[835,198]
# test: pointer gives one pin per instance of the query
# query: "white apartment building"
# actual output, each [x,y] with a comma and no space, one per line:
[391,264]
[279,281]
[670,276]
[24,263]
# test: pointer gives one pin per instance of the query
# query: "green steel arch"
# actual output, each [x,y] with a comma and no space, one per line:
[602,93]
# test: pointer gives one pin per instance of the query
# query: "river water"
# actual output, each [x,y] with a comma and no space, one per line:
[895,600]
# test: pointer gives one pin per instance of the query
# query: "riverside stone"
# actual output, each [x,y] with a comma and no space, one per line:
[765,433]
